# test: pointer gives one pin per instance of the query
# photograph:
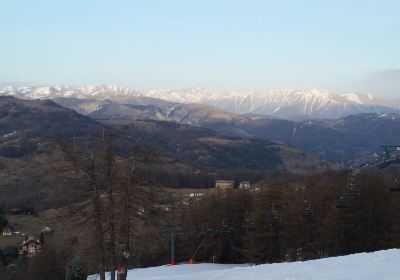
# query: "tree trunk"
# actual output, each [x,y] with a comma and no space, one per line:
[97,217]
[111,209]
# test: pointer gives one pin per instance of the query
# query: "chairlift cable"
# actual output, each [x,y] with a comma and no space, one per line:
[198,248]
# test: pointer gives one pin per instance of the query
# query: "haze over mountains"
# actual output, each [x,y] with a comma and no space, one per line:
[281,103]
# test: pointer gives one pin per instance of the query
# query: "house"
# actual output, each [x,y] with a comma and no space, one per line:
[245,185]
[8,230]
[30,246]
[224,184]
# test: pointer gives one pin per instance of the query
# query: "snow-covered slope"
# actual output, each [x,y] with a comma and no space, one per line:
[366,266]
[284,103]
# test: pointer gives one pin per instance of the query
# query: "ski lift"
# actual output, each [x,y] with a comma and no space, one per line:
[181,234]
[342,203]
[184,237]
[166,232]
[306,209]
[250,226]
[249,223]
[396,187]
[226,228]
[196,234]
[210,231]
[350,191]
[275,215]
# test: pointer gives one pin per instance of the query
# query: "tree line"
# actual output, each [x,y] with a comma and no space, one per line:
[121,219]
[294,218]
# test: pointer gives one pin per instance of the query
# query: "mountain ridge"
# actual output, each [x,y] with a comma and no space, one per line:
[281,103]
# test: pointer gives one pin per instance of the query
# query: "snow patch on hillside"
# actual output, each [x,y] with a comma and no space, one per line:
[7,135]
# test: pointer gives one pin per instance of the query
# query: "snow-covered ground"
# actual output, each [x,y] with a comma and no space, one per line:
[381,265]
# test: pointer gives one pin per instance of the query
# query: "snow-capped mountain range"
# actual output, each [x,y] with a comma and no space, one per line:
[85,92]
[283,103]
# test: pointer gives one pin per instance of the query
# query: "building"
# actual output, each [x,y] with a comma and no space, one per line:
[166,207]
[196,195]
[30,246]
[193,198]
[8,230]
[224,184]
[245,185]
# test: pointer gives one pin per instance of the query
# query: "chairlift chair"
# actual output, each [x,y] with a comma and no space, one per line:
[306,209]
[182,235]
[395,188]
[226,228]
[210,231]
[249,226]
[342,203]
[249,223]
[350,193]
[196,234]
[166,232]
[275,216]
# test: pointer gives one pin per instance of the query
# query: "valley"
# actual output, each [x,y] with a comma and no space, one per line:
[189,140]
[72,164]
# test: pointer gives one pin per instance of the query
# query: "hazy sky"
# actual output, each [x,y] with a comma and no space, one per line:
[220,44]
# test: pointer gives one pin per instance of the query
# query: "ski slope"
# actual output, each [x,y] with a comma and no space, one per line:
[381,265]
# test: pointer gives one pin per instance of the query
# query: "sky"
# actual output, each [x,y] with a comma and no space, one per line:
[342,46]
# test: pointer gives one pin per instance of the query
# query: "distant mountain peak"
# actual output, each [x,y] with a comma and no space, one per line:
[282,103]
